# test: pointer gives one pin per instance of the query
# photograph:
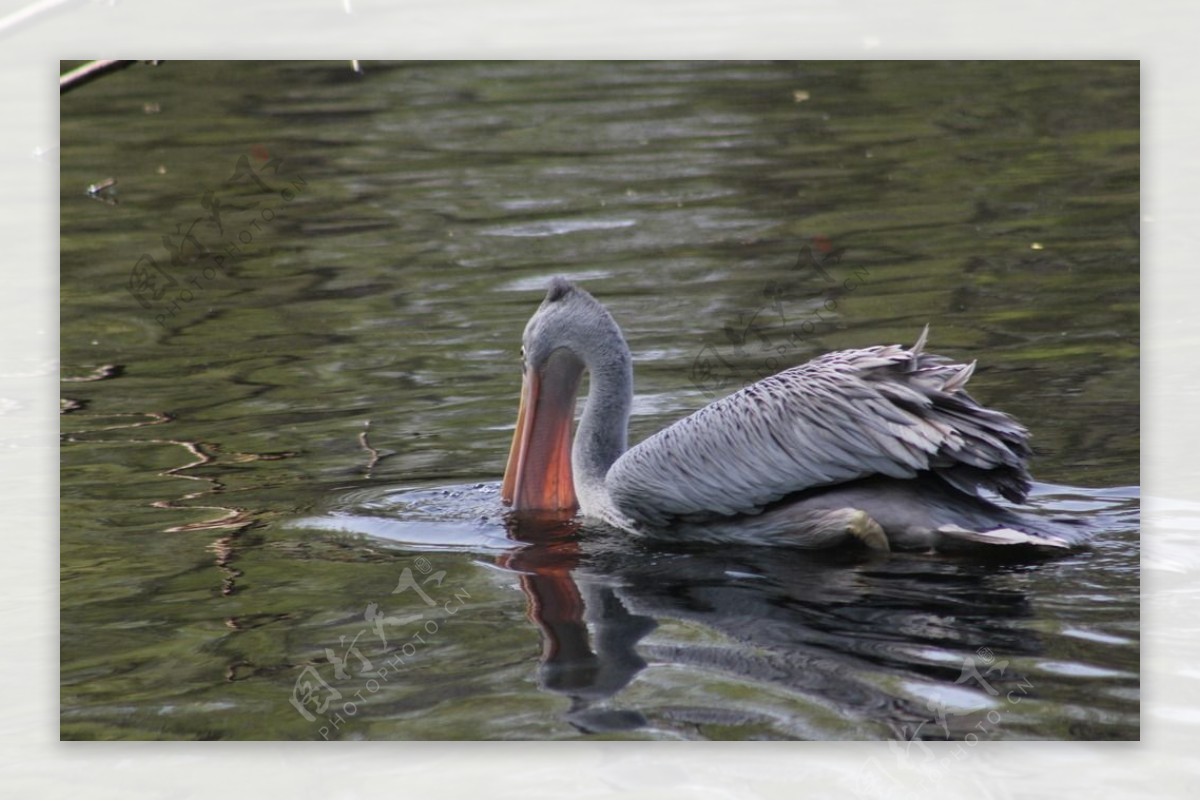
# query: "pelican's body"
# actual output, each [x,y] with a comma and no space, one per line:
[880,446]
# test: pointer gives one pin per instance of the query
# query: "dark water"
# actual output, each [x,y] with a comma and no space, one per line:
[291,251]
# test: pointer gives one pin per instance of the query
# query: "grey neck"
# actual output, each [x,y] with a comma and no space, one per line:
[603,430]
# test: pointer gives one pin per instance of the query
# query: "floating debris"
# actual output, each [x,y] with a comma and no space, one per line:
[104,191]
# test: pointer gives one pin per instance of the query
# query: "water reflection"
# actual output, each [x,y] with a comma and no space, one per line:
[823,626]
[589,637]
[851,644]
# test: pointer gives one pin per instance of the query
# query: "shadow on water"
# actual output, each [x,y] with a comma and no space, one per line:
[899,646]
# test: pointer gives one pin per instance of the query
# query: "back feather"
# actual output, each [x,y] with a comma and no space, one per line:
[884,410]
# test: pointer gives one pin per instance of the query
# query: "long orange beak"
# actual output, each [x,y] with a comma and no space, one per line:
[538,475]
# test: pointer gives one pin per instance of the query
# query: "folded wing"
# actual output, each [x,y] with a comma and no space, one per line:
[885,410]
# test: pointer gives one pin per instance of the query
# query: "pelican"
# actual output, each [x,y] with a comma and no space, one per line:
[879,446]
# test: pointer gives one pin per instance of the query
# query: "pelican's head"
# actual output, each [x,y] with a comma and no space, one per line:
[569,332]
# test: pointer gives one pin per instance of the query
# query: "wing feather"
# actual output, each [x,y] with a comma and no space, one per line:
[885,410]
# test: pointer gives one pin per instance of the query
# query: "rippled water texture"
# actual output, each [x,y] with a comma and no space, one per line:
[290,374]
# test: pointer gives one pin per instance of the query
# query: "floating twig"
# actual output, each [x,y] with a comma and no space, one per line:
[366,445]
